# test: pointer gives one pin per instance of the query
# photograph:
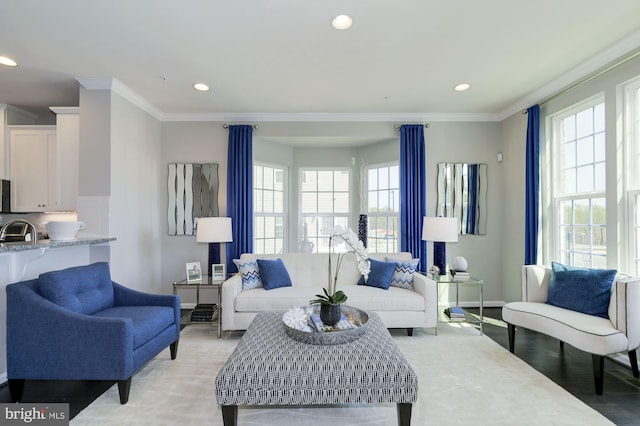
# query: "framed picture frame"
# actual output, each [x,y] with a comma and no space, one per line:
[194,272]
[218,272]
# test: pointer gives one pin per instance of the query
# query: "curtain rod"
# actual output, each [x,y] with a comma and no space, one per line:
[226,126]
[427,125]
[588,79]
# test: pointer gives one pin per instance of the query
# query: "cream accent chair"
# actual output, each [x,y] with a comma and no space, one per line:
[592,334]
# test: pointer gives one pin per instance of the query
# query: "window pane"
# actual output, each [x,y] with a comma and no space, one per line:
[372,180]
[383,174]
[585,177]
[325,180]
[268,202]
[598,112]
[581,212]
[268,178]
[309,180]
[278,202]
[584,151]
[569,155]
[383,201]
[569,181]
[309,202]
[258,204]
[341,203]
[569,128]
[394,177]
[373,202]
[257,177]
[325,202]
[599,147]
[341,181]
[584,123]
[278,183]
[600,177]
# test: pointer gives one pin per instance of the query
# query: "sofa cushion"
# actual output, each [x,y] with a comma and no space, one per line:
[403,274]
[83,289]
[147,321]
[581,289]
[274,274]
[380,275]
[361,297]
[250,273]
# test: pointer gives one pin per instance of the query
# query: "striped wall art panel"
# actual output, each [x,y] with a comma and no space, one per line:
[193,193]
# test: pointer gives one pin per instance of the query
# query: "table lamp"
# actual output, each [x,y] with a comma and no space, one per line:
[213,230]
[440,230]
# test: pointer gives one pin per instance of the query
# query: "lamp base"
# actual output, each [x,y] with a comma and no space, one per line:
[214,256]
[440,256]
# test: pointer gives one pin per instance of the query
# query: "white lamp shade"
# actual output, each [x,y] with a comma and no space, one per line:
[440,229]
[214,230]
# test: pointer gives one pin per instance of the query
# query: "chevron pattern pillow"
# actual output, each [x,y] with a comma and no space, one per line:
[250,273]
[403,274]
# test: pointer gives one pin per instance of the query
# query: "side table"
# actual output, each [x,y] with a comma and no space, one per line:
[206,282]
[446,281]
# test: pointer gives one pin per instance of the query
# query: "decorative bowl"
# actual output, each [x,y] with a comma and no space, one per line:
[358,318]
[63,230]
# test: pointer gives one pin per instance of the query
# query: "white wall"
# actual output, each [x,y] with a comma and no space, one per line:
[512,186]
[189,142]
[471,142]
[136,211]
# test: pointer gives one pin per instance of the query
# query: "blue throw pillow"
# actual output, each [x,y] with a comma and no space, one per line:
[274,274]
[581,289]
[403,274]
[380,274]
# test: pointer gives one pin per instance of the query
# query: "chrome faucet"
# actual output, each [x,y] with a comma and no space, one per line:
[32,229]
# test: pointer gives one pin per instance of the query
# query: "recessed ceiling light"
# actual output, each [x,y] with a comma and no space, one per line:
[7,61]
[462,87]
[342,22]
[201,87]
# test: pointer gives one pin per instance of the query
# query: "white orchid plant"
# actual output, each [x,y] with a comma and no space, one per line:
[337,236]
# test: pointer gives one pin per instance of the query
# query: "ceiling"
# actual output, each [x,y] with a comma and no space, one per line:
[282,58]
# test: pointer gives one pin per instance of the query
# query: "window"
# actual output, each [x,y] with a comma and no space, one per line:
[578,141]
[383,208]
[632,141]
[269,189]
[324,203]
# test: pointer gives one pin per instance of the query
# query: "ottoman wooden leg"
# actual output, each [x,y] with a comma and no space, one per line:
[230,415]
[404,414]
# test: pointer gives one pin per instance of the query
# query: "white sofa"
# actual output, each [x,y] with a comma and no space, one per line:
[598,336]
[397,307]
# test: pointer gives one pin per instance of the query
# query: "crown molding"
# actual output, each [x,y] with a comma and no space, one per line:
[606,57]
[330,117]
[65,110]
[101,83]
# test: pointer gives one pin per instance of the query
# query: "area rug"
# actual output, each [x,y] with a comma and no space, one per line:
[463,379]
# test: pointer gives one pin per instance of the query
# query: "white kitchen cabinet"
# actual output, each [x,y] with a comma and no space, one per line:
[33,159]
[10,115]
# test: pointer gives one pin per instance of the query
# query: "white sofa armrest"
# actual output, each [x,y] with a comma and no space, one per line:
[429,290]
[535,283]
[230,289]
[624,308]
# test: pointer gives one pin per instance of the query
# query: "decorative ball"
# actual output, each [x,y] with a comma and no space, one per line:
[459,264]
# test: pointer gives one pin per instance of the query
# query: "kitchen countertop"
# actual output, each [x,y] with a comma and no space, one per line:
[43,244]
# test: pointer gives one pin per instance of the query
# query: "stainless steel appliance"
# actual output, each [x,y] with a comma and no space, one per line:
[5,196]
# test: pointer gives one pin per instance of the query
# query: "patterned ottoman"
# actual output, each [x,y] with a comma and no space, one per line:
[269,368]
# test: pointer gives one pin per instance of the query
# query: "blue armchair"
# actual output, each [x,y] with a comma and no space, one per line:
[77,324]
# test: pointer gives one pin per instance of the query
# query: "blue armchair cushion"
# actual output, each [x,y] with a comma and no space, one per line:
[82,289]
[380,274]
[147,321]
[581,289]
[274,274]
